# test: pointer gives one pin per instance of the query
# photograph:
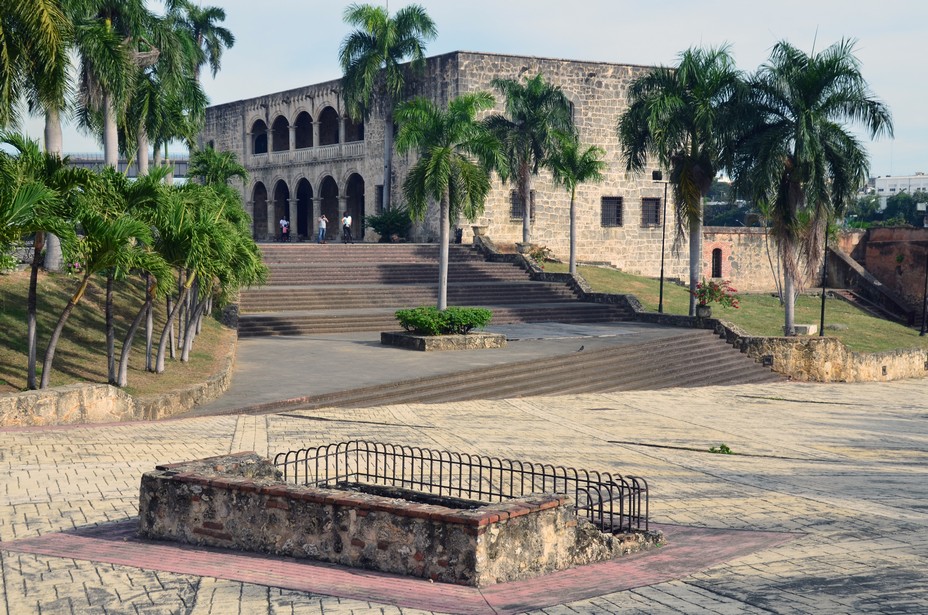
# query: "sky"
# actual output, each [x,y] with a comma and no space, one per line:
[283,44]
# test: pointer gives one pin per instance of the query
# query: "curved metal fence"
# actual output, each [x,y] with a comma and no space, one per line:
[613,502]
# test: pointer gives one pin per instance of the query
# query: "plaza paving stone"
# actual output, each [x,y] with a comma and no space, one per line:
[841,468]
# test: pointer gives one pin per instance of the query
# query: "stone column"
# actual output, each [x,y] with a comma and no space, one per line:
[342,207]
[248,147]
[314,223]
[291,216]
[341,129]
[272,226]
[292,137]
[315,134]
[270,141]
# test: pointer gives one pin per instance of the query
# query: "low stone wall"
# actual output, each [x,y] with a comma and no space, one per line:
[470,341]
[238,501]
[103,403]
[73,403]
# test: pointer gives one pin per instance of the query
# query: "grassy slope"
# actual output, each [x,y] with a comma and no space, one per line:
[81,352]
[761,314]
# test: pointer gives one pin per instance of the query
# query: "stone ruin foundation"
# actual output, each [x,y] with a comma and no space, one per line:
[242,501]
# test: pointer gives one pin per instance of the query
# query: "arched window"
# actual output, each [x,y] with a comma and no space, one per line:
[717,263]
[328,127]
[304,130]
[259,136]
[281,134]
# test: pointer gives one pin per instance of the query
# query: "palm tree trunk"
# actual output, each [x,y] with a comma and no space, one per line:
[122,378]
[169,325]
[149,328]
[573,232]
[188,345]
[169,307]
[525,189]
[110,135]
[789,307]
[56,334]
[53,145]
[31,309]
[110,331]
[695,258]
[387,155]
[143,152]
[443,241]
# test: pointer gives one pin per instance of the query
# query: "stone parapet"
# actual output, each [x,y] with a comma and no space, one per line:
[469,341]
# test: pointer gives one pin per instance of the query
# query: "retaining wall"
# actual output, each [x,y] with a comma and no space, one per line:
[238,501]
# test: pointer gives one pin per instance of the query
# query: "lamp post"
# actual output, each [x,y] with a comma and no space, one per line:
[821,324]
[657,176]
[925,298]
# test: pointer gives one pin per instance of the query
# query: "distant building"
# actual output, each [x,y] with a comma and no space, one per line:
[891,185]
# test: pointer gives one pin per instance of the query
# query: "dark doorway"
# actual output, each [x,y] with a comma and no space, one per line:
[259,218]
[304,130]
[354,201]
[717,263]
[280,133]
[328,127]
[304,209]
[353,132]
[281,205]
[329,193]
[259,137]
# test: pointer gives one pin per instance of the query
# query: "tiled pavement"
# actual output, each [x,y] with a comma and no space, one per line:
[842,467]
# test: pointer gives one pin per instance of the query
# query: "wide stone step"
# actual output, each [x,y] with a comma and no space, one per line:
[693,359]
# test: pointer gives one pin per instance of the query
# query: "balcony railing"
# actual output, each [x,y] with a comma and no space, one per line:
[339,151]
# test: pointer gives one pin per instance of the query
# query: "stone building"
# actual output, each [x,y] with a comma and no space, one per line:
[304,157]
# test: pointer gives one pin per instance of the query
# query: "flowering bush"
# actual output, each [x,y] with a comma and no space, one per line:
[716,292]
[74,268]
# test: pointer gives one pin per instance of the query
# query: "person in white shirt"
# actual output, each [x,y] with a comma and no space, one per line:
[346,228]
[323,222]
[284,229]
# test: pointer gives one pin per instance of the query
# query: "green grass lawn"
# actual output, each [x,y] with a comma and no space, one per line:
[81,352]
[761,314]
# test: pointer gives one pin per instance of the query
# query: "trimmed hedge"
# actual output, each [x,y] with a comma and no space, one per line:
[453,320]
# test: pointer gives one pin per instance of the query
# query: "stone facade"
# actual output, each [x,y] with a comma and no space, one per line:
[897,257]
[238,501]
[431,343]
[296,172]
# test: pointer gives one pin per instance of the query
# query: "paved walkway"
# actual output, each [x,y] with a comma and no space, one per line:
[842,468]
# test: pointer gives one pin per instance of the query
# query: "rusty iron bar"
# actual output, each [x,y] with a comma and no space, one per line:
[613,502]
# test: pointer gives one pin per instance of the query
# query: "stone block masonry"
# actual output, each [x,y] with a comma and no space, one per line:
[237,501]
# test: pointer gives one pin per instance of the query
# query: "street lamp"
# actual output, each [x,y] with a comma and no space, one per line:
[658,177]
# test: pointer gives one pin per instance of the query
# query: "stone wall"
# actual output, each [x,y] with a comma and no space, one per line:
[103,403]
[896,257]
[238,502]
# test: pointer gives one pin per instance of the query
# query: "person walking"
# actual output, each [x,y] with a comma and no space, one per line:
[346,228]
[323,222]
[284,229]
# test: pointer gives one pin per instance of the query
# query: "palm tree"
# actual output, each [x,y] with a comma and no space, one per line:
[34,36]
[215,168]
[447,141]
[798,157]
[684,116]
[571,166]
[371,58]
[201,23]
[28,164]
[106,244]
[536,110]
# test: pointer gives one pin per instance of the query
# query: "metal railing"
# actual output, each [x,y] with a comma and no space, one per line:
[614,503]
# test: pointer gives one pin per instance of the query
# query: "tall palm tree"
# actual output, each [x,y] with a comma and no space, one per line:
[798,157]
[215,168]
[201,23]
[34,38]
[684,116]
[371,58]
[447,142]
[535,110]
[571,165]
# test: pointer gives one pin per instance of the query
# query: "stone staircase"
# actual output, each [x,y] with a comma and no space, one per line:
[691,358]
[336,288]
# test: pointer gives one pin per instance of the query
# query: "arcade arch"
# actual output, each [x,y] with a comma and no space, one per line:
[303,133]
[354,203]
[280,134]
[259,137]
[259,211]
[328,127]
[304,208]
[281,202]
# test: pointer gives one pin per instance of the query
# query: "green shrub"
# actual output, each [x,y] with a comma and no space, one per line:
[392,225]
[432,321]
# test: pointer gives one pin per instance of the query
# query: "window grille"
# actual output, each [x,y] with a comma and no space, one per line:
[516,211]
[611,211]
[650,212]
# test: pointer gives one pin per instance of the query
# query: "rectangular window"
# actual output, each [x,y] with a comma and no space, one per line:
[516,210]
[378,206]
[611,211]
[650,212]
